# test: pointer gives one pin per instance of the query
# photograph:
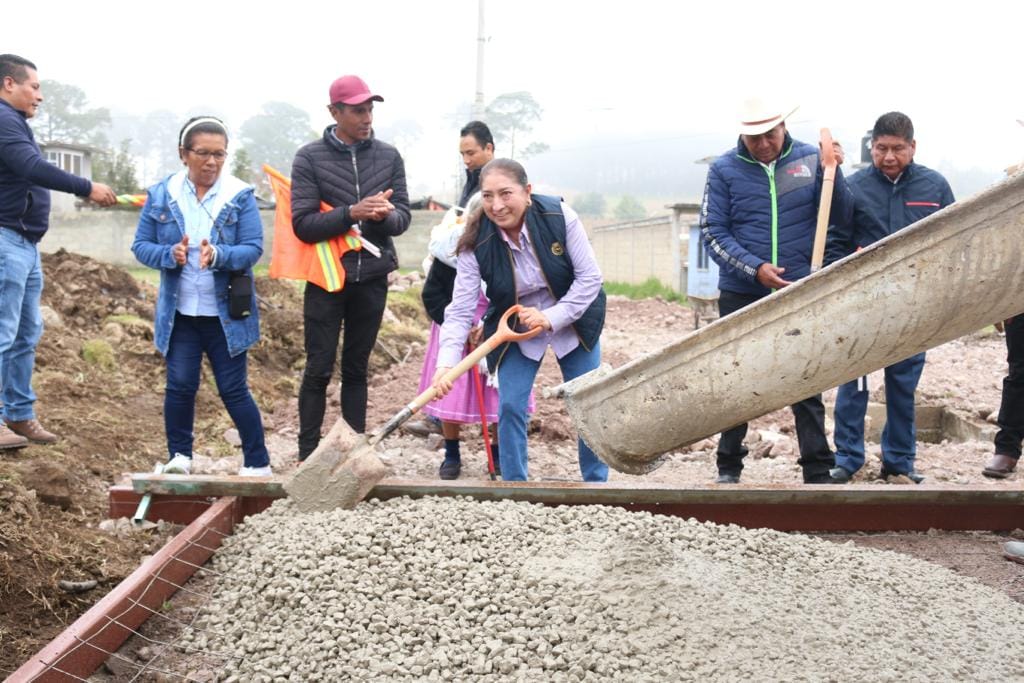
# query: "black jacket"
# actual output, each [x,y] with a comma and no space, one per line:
[330,171]
[546,225]
[471,187]
[882,207]
[438,289]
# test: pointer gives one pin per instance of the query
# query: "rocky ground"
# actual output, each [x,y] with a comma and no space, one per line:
[99,382]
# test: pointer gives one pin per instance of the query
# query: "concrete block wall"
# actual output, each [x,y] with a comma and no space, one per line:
[107,234]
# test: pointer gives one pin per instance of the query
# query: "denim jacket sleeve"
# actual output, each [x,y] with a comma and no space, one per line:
[247,248]
[147,247]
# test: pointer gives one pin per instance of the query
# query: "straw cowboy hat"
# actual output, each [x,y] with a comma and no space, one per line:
[759,116]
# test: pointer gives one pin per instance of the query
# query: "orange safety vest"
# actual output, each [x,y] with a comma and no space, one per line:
[293,259]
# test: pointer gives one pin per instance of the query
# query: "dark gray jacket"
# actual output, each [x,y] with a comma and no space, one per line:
[327,170]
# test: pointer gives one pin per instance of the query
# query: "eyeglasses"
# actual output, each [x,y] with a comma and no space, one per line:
[206,154]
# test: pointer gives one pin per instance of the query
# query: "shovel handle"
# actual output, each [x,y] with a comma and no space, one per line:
[504,334]
[828,155]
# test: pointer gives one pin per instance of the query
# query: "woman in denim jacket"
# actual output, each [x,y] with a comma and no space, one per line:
[199,227]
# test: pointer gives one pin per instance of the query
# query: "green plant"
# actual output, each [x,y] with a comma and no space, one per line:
[99,352]
[648,289]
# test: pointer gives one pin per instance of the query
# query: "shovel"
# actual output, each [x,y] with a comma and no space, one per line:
[345,467]
[828,155]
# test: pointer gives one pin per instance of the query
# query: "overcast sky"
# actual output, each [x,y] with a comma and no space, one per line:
[634,70]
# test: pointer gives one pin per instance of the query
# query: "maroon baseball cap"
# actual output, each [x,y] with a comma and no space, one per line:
[351,90]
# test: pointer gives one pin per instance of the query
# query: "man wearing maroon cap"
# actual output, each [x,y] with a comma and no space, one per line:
[364,179]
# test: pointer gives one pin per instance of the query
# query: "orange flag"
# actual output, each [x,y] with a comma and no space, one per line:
[293,259]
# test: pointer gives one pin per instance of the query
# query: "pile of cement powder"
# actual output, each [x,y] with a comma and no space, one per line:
[453,589]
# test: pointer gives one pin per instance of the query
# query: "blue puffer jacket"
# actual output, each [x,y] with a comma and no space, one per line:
[237,234]
[755,213]
[882,207]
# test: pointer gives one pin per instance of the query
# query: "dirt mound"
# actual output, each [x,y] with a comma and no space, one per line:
[100,385]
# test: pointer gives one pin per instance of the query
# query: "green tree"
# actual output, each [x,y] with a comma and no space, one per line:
[629,209]
[590,204]
[66,117]
[158,139]
[241,166]
[534,149]
[510,116]
[117,169]
[403,134]
[274,135]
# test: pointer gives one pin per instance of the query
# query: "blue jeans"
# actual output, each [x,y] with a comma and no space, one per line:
[191,337]
[899,437]
[21,323]
[515,380]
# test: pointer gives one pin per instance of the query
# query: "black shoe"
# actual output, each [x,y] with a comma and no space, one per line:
[840,475]
[724,478]
[450,469]
[911,475]
[825,478]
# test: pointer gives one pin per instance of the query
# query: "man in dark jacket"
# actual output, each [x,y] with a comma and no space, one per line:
[758,220]
[26,179]
[477,148]
[364,179]
[891,194]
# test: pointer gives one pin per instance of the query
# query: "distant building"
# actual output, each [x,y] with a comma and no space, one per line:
[75,159]
[428,204]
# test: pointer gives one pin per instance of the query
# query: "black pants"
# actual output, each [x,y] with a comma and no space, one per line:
[1011,408]
[360,306]
[816,457]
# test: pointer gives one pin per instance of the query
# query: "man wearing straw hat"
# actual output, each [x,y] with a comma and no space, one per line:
[758,220]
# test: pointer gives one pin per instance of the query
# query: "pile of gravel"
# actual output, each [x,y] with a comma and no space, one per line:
[453,589]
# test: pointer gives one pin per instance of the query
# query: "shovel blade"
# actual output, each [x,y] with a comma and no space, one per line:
[338,474]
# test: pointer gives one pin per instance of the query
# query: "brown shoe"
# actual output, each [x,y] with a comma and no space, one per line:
[1000,466]
[423,427]
[9,439]
[31,430]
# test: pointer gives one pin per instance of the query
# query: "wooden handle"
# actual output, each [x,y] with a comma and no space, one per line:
[828,155]
[503,334]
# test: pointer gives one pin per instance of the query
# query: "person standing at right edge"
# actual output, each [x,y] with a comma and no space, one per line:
[1011,407]
[364,180]
[758,220]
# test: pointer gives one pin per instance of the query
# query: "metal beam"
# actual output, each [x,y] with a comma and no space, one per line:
[859,507]
[77,652]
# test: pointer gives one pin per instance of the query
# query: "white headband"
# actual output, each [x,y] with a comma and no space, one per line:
[206,119]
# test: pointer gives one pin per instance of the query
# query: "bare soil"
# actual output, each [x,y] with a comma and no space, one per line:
[108,411]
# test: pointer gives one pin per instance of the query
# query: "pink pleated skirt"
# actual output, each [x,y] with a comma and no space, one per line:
[462,404]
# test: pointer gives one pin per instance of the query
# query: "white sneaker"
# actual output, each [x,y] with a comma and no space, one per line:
[179,464]
[255,471]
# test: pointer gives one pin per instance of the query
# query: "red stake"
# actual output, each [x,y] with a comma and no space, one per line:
[483,420]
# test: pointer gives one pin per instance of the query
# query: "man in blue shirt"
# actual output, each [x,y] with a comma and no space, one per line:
[26,179]
[891,194]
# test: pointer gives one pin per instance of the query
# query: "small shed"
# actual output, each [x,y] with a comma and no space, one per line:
[76,159]
[701,279]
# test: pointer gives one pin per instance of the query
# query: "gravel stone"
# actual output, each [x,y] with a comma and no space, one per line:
[455,589]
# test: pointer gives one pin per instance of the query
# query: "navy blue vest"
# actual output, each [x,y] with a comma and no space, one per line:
[546,226]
